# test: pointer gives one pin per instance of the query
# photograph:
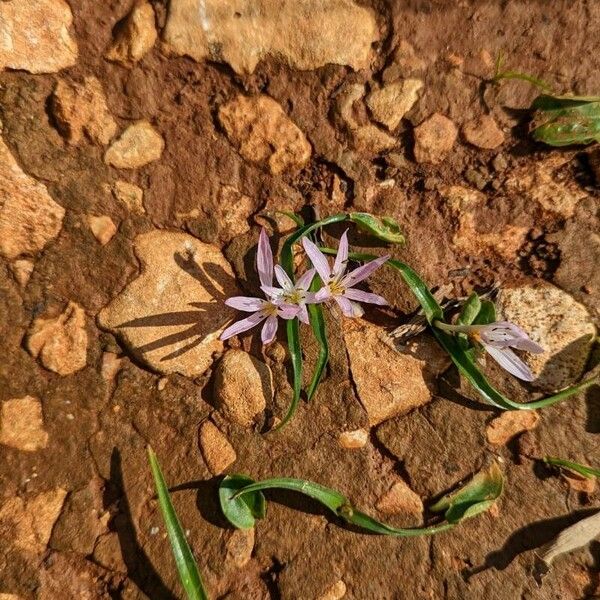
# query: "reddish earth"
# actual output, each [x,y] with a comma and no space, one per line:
[483,205]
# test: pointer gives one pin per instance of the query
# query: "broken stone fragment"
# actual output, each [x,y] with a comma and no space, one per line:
[134,36]
[405,63]
[577,483]
[216,450]
[102,227]
[353,439]
[171,316]
[400,499]
[22,424]
[130,195]
[35,36]
[389,104]
[239,547]
[336,592]
[111,365]
[243,386]
[139,145]
[397,386]
[31,520]
[483,132]
[509,424]
[232,211]
[434,138]
[305,34]
[556,321]
[80,108]
[29,217]
[21,270]
[60,342]
[262,132]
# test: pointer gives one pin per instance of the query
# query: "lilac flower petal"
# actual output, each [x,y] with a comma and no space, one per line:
[504,334]
[350,309]
[323,294]
[283,279]
[360,296]
[361,273]
[243,325]
[509,361]
[245,303]
[311,298]
[303,314]
[271,291]
[287,311]
[318,259]
[264,259]
[341,259]
[269,330]
[304,282]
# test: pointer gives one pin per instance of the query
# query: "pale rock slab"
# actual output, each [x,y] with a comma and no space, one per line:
[239,547]
[261,131]
[139,145]
[483,132]
[217,451]
[556,321]
[353,439]
[434,138]
[35,37]
[232,211]
[130,195]
[110,366]
[400,499]
[22,424]
[336,592]
[80,108]
[305,34]
[30,521]
[29,217]
[102,227]
[397,384]
[509,424]
[541,184]
[21,270]
[134,37]
[171,316]
[405,63]
[389,104]
[243,386]
[60,342]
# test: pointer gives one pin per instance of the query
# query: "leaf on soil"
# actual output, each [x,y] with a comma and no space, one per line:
[578,468]
[184,559]
[385,228]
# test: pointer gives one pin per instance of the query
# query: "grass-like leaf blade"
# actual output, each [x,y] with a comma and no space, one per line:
[295,350]
[184,559]
[582,470]
[385,229]
[317,322]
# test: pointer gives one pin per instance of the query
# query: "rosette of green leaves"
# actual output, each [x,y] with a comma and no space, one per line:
[242,502]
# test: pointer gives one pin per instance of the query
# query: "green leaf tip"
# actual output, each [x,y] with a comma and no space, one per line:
[473,498]
[583,470]
[384,228]
[182,553]
[241,511]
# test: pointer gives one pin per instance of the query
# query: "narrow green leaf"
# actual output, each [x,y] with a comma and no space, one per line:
[184,559]
[317,322]
[293,339]
[470,309]
[385,228]
[293,216]
[583,470]
[474,497]
[241,511]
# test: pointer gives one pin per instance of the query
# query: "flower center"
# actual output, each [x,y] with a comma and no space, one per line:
[269,309]
[336,288]
[294,296]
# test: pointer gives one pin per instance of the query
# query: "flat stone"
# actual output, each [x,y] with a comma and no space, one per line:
[261,131]
[139,145]
[134,36]
[102,227]
[21,270]
[29,217]
[171,316]
[10,597]
[31,521]
[22,424]
[60,343]
[353,439]
[483,132]
[216,450]
[35,36]
[389,104]
[405,63]
[305,34]
[577,483]
[434,138]
[239,547]
[243,386]
[232,211]
[396,386]
[80,108]
[560,324]
[111,365]
[400,499]
[336,592]
[130,195]
[509,424]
